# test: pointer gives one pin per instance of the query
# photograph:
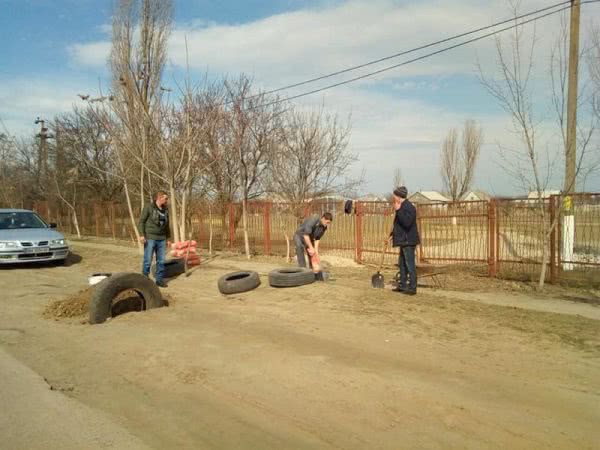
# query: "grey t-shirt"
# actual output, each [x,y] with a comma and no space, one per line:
[312,226]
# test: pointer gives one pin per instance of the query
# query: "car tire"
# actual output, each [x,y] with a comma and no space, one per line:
[106,291]
[173,268]
[291,277]
[236,282]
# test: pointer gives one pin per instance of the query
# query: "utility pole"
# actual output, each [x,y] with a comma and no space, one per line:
[568,213]
[42,168]
[571,150]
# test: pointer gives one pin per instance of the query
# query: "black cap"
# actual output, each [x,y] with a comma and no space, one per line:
[401,192]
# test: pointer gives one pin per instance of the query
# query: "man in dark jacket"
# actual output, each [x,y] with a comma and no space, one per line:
[406,236]
[308,235]
[154,230]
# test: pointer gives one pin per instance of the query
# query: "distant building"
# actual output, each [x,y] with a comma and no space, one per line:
[475,196]
[533,195]
[428,197]
[372,198]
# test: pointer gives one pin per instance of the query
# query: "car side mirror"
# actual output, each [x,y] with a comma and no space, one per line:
[52,225]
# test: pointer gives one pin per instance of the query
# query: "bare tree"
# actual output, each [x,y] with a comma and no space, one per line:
[531,163]
[128,115]
[312,159]
[139,43]
[459,160]
[82,143]
[592,57]
[398,178]
[8,170]
[254,129]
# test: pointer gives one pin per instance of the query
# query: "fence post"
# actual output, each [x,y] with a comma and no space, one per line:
[420,230]
[231,225]
[492,238]
[553,265]
[267,227]
[112,220]
[306,210]
[559,233]
[83,219]
[358,210]
[97,219]
[199,217]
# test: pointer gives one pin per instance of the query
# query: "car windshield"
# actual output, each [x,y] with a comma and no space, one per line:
[20,220]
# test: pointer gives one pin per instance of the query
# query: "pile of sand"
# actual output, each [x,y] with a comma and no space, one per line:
[338,261]
[77,305]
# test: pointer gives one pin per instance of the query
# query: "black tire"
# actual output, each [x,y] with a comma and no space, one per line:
[109,288]
[173,268]
[236,282]
[291,277]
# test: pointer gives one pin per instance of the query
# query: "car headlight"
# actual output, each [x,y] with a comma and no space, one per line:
[59,242]
[8,244]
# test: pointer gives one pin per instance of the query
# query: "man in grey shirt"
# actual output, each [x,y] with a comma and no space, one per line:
[308,235]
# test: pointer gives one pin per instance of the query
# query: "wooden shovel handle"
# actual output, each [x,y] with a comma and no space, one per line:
[385,246]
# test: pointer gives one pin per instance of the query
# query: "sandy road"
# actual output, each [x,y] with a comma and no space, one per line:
[335,365]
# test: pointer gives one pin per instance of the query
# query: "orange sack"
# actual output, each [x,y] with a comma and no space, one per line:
[315,262]
[183,244]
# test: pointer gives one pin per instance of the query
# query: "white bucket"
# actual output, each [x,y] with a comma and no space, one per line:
[96,278]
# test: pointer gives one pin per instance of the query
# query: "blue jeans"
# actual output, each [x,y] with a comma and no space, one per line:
[160,248]
[407,267]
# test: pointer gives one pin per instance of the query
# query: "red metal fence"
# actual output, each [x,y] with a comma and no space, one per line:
[500,237]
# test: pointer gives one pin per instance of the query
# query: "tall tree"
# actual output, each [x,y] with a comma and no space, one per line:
[459,159]
[312,160]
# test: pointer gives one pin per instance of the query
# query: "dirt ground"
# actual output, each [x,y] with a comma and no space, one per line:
[329,365]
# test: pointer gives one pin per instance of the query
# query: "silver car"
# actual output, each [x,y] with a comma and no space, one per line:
[25,237]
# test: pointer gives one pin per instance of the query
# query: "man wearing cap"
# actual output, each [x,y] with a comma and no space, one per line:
[406,236]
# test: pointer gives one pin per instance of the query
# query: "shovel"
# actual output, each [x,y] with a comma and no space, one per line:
[377,280]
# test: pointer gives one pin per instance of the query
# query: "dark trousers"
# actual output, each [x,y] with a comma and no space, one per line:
[406,262]
[300,250]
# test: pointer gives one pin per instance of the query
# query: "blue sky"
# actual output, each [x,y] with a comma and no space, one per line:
[53,49]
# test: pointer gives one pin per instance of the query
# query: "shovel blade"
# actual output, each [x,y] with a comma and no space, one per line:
[377,281]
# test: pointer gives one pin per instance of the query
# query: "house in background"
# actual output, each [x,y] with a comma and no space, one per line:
[428,197]
[476,196]
[533,195]
[372,198]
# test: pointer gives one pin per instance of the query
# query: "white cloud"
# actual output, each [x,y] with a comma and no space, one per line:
[94,54]
[21,101]
[292,46]
[388,131]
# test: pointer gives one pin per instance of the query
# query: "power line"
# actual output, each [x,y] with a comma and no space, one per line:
[406,52]
[428,55]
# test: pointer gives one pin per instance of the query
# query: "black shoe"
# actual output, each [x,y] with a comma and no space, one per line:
[409,292]
[161,284]
[399,289]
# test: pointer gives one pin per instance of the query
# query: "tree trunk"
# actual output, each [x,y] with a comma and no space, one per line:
[76,222]
[182,221]
[287,243]
[545,237]
[174,214]
[545,258]
[210,229]
[131,216]
[245,227]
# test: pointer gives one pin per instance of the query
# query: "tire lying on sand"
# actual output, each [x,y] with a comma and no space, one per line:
[236,282]
[106,291]
[173,268]
[291,277]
